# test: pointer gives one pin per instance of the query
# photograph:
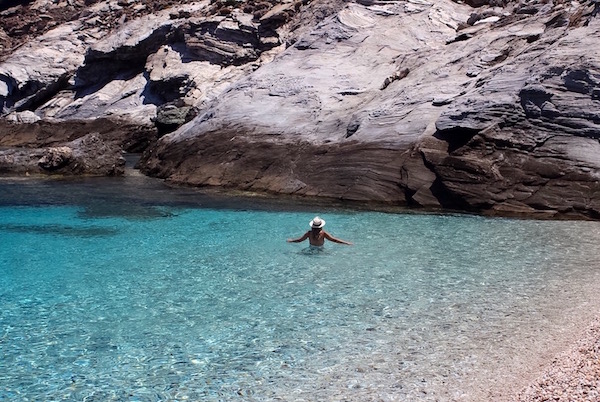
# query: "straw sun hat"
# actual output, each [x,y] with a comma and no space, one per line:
[317,223]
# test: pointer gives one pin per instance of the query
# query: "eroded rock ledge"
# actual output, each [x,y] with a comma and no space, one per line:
[87,155]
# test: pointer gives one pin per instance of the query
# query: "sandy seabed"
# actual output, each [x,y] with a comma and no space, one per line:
[572,376]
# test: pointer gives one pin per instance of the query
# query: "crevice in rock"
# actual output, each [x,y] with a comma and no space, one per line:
[102,67]
[459,38]
[124,74]
[398,75]
[581,81]
[6,4]
[558,21]
[171,116]
[456,137]
[451,201]
[41,96]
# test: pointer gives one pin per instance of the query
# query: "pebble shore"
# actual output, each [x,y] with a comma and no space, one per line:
[573,376]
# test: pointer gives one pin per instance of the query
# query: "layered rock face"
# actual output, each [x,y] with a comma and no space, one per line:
[493,110]
[486,106]
[124,71]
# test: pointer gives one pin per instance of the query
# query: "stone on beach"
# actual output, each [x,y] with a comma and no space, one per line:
[573,376]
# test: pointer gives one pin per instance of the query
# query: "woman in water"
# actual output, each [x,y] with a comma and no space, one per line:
[316,236]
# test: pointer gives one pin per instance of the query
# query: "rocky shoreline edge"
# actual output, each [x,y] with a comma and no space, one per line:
[114,165]
[573,375]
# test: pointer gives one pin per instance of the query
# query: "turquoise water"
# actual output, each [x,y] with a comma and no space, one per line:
[128,291]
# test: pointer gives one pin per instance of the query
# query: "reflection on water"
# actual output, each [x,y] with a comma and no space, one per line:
[132,211]
[59,230]
[127,290]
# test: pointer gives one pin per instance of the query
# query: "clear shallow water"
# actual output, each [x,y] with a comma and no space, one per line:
[124,290]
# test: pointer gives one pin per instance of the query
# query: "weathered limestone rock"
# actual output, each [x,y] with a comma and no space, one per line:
[497,114]
[56,158]
[87,155]
[527,138]
[130,137]
[83,70]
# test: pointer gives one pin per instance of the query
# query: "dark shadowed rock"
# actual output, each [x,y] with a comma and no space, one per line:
[169,117]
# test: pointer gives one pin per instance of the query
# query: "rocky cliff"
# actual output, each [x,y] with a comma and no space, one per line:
[484,106]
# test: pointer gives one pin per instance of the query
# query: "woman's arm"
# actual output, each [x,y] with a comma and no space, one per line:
[299,239]
[336,240]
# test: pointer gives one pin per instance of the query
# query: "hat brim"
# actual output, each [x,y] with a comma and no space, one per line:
[313,226]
